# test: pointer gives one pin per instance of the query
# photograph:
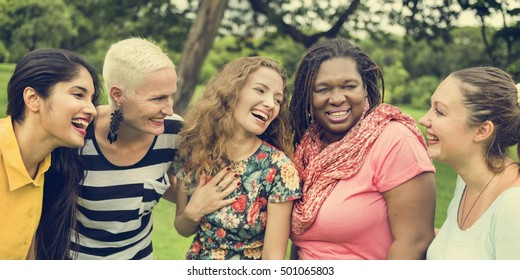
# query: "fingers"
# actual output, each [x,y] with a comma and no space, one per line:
[202,181]
[235,184]
[229,180]
[224,182]
[230,187]
[220,175]
[228,201]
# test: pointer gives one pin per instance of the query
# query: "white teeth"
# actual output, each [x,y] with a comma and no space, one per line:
[260,115]
[433,138]
[80,123]
[156,119]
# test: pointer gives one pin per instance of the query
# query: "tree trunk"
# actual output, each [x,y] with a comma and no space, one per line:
[200,40]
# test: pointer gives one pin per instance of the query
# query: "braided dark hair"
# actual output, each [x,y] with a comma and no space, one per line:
[300,107]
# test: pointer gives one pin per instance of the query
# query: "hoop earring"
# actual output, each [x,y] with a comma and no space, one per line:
[115,122]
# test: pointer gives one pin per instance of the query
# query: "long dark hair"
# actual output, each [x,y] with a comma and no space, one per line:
[300,107]
[41,70]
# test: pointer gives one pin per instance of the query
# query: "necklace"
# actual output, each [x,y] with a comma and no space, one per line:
[466,197]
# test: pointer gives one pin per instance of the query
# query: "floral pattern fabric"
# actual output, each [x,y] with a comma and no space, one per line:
[237,231]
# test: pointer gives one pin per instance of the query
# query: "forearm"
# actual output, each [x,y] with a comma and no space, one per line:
[409,249]
[171,193]
[186,225]
[274,251]
[187,220]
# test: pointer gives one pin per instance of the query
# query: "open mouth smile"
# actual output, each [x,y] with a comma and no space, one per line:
[80,123]
[260,115]
[431,137]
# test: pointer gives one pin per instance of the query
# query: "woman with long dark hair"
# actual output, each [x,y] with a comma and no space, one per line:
[51,100]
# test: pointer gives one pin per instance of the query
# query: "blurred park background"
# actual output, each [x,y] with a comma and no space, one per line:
[416,42]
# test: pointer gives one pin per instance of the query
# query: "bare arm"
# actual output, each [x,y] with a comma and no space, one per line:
[277,230]
[206,198]
[171,193]
[411,212]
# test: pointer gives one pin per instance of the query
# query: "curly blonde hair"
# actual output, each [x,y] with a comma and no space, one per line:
[211,123]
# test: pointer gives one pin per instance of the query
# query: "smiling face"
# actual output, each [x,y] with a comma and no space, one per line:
[68,110]
[450,138]
[146,109]
[259,101]
[338,98]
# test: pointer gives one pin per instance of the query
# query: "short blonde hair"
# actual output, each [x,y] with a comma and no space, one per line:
[128,60]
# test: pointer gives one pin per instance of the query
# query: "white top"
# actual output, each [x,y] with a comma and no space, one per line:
[495,235]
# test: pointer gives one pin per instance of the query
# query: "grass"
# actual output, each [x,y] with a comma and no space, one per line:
[169,245]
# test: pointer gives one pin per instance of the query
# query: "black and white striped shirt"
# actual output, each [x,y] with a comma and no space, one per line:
[115,204]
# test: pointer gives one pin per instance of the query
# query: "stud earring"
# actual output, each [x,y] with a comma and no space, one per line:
[310,116]
[115,122]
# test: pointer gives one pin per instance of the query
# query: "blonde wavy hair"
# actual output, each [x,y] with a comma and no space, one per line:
[211,123]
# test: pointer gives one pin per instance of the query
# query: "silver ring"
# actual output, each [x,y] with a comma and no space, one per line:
[219,188]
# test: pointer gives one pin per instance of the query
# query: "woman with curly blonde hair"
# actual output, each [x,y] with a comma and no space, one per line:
[240,128]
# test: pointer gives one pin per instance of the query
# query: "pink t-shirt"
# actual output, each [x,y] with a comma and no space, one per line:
[353,221]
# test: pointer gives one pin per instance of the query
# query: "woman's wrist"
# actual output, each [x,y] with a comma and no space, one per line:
[192,215]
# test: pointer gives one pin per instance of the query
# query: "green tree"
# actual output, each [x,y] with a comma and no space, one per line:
[421,90]
[507,35]
[299,20]
[91,26]
[438,58]
[387,51]
[31,24]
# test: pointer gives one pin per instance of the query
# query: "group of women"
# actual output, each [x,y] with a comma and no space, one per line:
[330,167]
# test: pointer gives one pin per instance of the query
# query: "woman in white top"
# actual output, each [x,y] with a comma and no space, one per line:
[473,119]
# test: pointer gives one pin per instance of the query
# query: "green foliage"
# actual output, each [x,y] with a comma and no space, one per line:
[228,48]
[89,26]
[387,51]
[4,53]
[6,71]
[439,58]
[30,24]
[282,49]
[421,89]
[395,84]
[253,28]
[223,51]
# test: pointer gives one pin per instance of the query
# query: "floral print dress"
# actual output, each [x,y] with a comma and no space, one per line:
[237,231]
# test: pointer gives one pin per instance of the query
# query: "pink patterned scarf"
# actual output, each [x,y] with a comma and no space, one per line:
[321,167]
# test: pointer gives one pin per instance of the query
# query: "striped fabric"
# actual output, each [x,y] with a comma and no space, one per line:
[115,204]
